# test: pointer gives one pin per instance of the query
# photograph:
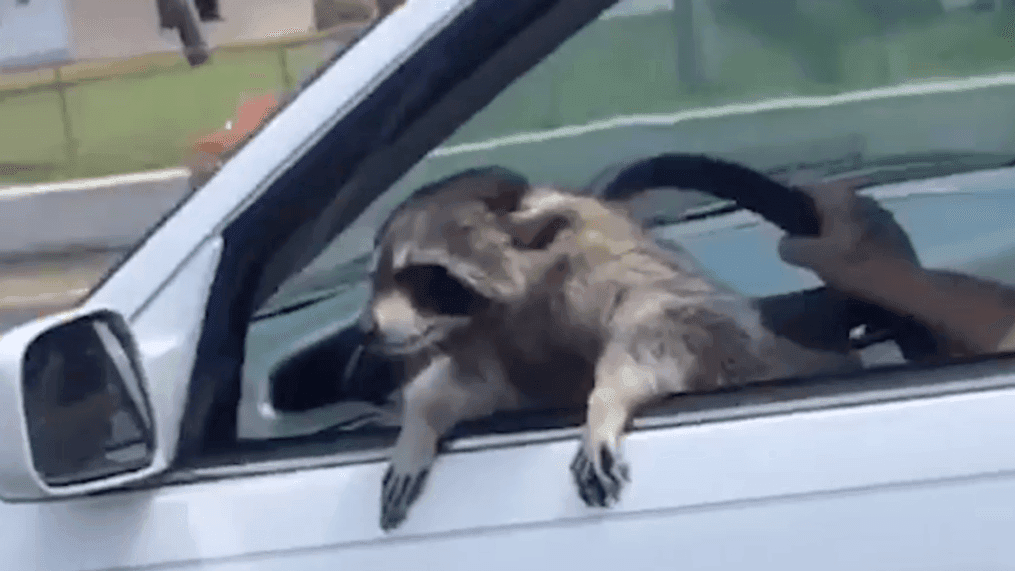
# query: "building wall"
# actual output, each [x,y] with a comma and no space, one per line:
[252,20]
[33,33]
[125,28]
[115,28]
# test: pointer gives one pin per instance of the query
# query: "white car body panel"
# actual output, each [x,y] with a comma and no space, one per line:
[784,491]
[166,331]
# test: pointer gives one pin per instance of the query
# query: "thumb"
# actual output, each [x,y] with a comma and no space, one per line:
[799,251]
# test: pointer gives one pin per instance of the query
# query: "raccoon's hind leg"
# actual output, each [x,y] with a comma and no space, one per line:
[435,401]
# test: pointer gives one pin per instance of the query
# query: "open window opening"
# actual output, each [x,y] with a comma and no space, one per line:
[284,338]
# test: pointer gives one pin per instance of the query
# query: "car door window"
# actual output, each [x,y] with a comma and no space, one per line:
[120,112]
[722,77]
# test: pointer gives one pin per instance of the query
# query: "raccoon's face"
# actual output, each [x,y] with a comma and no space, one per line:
[438,268]
[454,257]
[422,306]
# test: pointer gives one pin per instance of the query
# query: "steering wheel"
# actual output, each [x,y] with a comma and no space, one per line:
[790,209]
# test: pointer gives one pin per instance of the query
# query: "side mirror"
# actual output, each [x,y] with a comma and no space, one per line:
[76,415]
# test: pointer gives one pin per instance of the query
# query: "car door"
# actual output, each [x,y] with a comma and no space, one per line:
[896,469]
[170,311]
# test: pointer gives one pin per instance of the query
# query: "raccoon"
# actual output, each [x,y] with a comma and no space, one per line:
[499,295]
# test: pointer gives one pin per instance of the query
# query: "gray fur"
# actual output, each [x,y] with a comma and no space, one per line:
[660,325]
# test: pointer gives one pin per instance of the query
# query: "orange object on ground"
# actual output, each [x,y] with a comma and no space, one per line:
[249,116]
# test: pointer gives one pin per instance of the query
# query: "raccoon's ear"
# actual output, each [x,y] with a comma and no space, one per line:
[506,196]
[538,233]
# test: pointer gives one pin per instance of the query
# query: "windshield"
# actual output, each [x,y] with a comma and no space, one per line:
[826,87]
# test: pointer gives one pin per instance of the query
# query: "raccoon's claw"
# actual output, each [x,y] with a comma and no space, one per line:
[399,492]
[599,481]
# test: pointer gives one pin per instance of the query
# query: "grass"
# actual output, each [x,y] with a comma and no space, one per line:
[143,117]
[146,117]
[173,107]
[41,144]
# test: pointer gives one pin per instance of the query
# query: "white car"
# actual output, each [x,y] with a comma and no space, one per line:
[185,415]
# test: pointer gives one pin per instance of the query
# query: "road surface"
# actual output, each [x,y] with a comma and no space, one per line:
[36,286]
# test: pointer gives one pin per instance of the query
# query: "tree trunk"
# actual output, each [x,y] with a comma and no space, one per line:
[181,14]
[710,47]
[690,75]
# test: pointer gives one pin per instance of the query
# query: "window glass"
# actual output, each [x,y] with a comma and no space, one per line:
[131,104]
[903,93]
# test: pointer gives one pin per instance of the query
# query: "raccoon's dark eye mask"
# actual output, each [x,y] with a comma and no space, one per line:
[434,289]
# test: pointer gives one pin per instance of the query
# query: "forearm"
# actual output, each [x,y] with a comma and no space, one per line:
[982,311]
[973,314]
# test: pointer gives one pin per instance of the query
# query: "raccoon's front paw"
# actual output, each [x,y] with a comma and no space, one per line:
[399,491]
[601,476]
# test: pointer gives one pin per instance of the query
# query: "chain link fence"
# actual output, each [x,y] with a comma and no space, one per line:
[92,118]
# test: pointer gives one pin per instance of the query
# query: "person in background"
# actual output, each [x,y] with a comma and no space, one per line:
[864,253]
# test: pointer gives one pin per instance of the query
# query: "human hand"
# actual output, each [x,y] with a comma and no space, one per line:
[859,239]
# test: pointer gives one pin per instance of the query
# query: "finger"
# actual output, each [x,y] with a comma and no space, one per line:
[853,183]
[416,488]
[844,213]
[393,490]
[838,186]
[835,194]
[798,251]
[611,471]
[606,460]
[589,488]
[402,488]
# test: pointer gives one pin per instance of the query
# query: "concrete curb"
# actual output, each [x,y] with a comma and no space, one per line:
[101,214]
